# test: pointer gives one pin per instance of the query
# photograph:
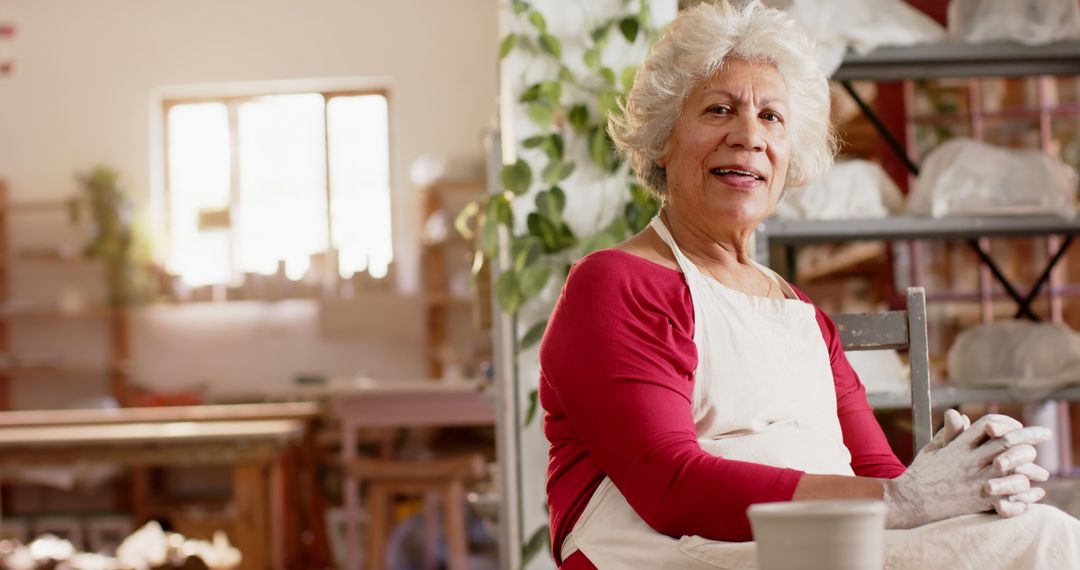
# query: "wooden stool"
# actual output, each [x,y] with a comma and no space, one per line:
[386,478]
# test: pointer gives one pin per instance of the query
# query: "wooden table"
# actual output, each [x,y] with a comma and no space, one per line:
[364,403]
[233,412]
[259,441]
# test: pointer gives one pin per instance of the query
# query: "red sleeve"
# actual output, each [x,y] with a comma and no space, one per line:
[617,366]
[871,455]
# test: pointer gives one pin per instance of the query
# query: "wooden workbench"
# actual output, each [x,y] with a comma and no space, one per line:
[259,441]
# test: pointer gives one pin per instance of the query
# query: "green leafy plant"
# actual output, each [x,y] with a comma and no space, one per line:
[111,236]
[570,111]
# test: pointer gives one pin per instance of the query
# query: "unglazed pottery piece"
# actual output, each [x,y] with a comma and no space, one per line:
[819,535]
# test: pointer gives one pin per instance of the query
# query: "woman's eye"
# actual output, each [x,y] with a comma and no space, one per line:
[718,109]
[772,117]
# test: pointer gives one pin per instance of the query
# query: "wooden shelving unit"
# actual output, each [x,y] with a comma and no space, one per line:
[12,310]
[440,260]
[968,65]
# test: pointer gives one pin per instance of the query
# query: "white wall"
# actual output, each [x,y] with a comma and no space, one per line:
[87,73]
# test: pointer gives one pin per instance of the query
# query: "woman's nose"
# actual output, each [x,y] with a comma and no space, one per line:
[746,133]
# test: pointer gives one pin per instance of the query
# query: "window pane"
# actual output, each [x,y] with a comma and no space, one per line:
[360,181]
[198,181]
[282,201]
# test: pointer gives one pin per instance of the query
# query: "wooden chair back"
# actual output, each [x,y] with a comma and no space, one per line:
[898,330]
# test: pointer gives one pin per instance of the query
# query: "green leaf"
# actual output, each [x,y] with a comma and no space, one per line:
[592,59]
[537,20]
[536,543]
[489,236]
[553,146]
[464,217]
[641,209]
[559,197]
[544,230]
[609,76]
[499,209]
[565,171]
[628,74]
[530,414]
[551,45]
[533,336]
[565,74]
[506,290]
[524,251]
[609,103]
[579,118]
[507,45]
[551,92]
[517,177]
[640,194]
[531,281]
[618,228]
[541,113]
[520,6]
[602,150]
[599,33]
[547,205]
[533,142]
[629,27]
[601,240]
[566,237]
[550,172]
[531,94]
[557,171]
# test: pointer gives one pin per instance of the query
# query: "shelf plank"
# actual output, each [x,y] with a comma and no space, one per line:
[54,313]
[954,59]
[51,255]
[446,299]
[34,206]
[903,228]
[45,371]
[304,411]
[951,396]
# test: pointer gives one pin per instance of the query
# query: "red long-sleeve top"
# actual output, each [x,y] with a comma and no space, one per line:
[617,371]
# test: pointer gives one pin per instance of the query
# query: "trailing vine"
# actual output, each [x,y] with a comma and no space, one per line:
[570,111]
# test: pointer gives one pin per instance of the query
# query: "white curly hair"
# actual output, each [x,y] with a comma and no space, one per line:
[694,48]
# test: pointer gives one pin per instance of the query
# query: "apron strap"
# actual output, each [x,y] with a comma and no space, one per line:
[687,266]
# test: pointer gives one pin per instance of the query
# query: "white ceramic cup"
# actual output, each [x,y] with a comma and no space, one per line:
[819,535]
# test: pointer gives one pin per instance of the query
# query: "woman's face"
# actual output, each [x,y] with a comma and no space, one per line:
[729,151]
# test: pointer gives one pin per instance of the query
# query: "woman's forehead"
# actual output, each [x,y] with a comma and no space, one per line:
[742,79]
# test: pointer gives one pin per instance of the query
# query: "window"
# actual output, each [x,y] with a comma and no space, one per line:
[255,184]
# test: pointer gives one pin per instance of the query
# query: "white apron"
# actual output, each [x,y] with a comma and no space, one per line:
[764,393]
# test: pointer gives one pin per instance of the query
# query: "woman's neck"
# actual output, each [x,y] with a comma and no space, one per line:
[718,250]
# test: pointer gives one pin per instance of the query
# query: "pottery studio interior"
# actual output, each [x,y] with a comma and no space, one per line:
[295,285]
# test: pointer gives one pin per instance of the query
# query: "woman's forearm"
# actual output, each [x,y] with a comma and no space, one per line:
[815,487]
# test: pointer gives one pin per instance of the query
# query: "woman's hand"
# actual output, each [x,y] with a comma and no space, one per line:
[1021,460]
[969,471]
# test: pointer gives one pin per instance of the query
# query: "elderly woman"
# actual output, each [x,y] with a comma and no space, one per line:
[682,382]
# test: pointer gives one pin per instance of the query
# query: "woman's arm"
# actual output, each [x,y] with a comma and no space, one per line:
[619,357]
[817,487]
[871,455]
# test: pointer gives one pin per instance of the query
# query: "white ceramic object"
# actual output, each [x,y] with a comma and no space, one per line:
[819,535]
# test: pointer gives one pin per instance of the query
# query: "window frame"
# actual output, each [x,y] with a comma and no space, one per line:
[232,103]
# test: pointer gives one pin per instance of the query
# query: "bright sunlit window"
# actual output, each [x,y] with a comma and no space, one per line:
[261,183]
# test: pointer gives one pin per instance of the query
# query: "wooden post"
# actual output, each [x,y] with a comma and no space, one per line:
[251,529]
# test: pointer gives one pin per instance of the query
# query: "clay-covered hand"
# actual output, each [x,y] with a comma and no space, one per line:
[973,473]
[1021,459]
[955,424]
[1018,460]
